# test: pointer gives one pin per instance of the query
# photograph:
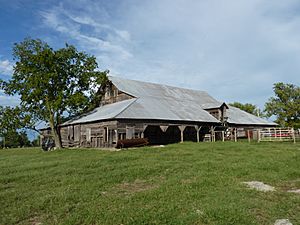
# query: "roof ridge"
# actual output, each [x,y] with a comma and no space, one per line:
[166,85]
[186,99]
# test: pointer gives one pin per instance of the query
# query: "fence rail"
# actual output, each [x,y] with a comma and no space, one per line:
[276,134]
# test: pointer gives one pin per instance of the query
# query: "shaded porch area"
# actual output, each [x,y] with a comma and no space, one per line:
[168,134]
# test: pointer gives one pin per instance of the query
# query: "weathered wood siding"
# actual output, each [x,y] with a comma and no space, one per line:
[95,135]
[113,95]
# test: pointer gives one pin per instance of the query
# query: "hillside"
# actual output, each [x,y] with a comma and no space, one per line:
[185,183]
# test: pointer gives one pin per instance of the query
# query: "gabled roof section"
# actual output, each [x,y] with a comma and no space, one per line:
[147,108]
[166,109]
[145,89]
[238,116]
[102,113]
[162,102]
[214,105]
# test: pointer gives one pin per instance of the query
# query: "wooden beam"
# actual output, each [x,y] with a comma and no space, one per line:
[212,131]
[164,128]
[294,137]
[198,128]
[235,134]
[181,128]
[248,134]
[117,135]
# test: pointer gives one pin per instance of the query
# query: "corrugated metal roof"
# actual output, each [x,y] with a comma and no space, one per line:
[166,109]
[238,116]
[163,102]
[144,89]
[102,113]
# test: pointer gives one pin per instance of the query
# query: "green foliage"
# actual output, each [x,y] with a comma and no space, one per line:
[250,108]
[13,122]
[36,142]
[14,139]
[15,118]
[53,82]
[285,106]
[187,183]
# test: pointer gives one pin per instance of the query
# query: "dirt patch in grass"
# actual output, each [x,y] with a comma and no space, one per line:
[259,186]
[134,187]
[291,186]
[34,221]
[296,191]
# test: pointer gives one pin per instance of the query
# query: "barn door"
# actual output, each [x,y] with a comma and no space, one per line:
[77,133]
[71,133]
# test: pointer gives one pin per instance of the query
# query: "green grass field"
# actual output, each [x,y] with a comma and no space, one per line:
[185,183]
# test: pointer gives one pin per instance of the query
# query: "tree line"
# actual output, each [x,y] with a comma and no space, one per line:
[56,85]
[284,106]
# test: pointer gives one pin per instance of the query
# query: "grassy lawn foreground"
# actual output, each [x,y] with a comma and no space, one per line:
[185,183]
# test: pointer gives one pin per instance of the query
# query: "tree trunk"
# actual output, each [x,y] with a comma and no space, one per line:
[54,131]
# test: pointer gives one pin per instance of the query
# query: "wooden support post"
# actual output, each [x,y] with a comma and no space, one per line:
[117,135]
[258,135]
[181,128]
[198,128]
[212,131]
[223,136]
[280,137]
[248,134]
[235,134]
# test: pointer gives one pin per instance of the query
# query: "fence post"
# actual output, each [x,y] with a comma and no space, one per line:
[235,134]
[293,133]
[248,134]
[280,137]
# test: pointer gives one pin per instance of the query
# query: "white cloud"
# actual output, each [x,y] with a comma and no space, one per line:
[100,39]
[235,50]
[6,67]
[6,100]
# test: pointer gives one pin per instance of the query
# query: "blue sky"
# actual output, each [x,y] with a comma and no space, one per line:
[234,49]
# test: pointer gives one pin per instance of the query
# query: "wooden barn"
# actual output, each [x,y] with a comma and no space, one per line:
[163,114]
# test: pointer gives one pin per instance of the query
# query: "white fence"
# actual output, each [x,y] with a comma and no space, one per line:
[276,134]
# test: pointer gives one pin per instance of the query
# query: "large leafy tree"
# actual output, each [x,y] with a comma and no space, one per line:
[285,106]
[52,83]
[248,107]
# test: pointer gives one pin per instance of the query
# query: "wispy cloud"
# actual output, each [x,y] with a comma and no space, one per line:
[6,100]
[235,50]
[103,40]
